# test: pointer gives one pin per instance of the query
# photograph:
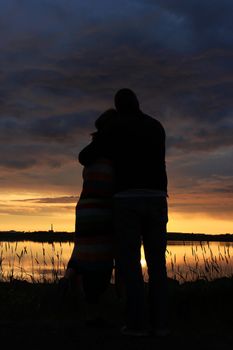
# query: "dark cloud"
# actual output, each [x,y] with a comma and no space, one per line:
[20,156]
[36,210]
[202,139]
[62,127]
[58,200]
[207,24]
[62,62]
[54,129]
[222,211]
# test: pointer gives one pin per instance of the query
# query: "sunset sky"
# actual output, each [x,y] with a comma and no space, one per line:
[61,63]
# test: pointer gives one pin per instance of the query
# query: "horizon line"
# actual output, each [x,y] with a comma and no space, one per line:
[53,231]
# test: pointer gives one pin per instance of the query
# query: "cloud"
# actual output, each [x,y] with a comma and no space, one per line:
[57,200]
[36,210]
[28,156]
[208,23]
[61,63]
[215,206]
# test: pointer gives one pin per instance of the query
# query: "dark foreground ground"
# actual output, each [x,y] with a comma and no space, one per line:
[35,316]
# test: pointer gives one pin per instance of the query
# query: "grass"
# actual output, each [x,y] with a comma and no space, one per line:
[204,265]
[47,267]
[34,313]
[35,267]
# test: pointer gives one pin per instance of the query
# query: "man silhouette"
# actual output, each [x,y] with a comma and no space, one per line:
[135,142]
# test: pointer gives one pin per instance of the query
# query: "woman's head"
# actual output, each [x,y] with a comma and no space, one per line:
[105,118]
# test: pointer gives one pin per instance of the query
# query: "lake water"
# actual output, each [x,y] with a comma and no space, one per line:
[186,261]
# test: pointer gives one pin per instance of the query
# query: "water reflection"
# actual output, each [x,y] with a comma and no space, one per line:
[33,261]
[186,261]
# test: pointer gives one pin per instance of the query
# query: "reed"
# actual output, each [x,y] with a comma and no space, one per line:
[26,265]
[203,265]
[48,266]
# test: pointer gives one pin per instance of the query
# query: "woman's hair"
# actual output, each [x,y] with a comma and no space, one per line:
[126,101]
[105,118]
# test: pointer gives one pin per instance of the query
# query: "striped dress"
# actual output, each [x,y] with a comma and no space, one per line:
[93,249]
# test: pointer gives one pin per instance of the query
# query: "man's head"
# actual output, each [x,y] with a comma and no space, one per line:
[126,101]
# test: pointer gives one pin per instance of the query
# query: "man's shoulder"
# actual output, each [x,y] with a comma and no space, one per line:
[151,121]
[150,118]
[131,124]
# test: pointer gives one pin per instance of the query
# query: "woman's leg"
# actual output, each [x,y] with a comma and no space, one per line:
[95,284]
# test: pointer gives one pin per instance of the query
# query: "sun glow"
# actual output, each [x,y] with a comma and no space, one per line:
[33,211]
[29,212]
[63,219]
[198,223]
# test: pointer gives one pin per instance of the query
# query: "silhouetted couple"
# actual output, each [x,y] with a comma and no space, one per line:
[123,204]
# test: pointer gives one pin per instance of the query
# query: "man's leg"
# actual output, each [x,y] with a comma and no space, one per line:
[155,241]
[127,222]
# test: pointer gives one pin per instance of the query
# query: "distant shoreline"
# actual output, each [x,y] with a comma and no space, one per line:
[51,236]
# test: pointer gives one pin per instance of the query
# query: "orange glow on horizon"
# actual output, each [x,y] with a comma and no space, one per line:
[26,212]
[65,221]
